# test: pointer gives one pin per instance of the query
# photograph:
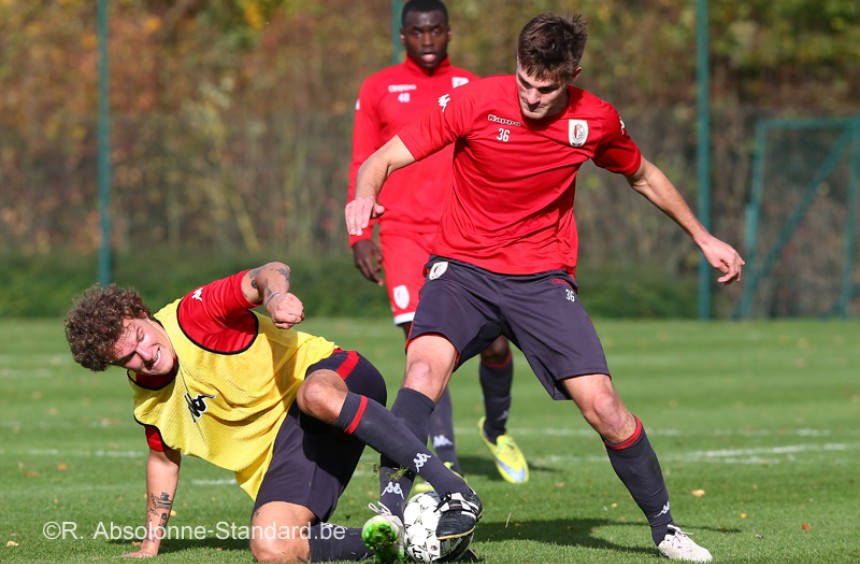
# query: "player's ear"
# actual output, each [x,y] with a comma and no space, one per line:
[576,74]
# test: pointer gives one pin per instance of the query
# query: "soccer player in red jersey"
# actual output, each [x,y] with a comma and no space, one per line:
[387,101]
[289,413]
[506,248]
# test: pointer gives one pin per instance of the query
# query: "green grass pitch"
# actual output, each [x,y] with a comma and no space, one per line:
[755,424]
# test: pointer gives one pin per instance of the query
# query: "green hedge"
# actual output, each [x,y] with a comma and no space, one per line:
[45,285]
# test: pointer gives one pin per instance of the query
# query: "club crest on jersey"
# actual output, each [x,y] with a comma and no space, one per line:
[401,296]
[437,270]
[458,81]
[577,132]
[197,406]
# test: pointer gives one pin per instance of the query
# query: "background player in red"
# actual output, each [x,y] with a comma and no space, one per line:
[289,413]
[387,101]
[507,246]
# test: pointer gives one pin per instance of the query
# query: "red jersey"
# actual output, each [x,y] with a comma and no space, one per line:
[511,211]
[387,101]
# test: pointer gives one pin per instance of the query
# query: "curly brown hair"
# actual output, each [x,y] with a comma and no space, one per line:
[550,47]
[95,322]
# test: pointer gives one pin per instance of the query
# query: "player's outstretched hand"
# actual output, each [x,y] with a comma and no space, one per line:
[285,310]
[358,213]
[368,260]
[724,258]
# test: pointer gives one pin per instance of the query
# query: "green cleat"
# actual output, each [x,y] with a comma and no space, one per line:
[384,535]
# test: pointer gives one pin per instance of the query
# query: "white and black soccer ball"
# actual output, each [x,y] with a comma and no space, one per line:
[420,518]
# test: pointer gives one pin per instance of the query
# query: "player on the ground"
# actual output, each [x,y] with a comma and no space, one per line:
[289,413]
[387,101]
[504,253]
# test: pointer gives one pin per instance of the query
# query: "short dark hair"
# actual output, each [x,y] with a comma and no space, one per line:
[95,323]
[422,6]
[550,47]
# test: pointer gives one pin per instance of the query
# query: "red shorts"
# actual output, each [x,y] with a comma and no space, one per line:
[404,256]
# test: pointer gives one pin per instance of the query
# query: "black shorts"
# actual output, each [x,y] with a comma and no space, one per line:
[540,313]
[312,462]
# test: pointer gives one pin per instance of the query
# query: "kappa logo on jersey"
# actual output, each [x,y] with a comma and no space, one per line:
[401,296]
[197,406]
[419,460]
[197,295]
[396,88]
[443,101]
[394,488]
[577,132]
[459,81]
[503,121]
[623,127]
[437,270]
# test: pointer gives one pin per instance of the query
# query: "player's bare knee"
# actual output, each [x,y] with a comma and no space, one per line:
[319,398]
[421,377]
[279,550]
[605,414]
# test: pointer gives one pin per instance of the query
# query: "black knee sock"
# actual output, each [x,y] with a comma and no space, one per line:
[400,446]
[636,464]
[442,431]
[329,542]
[496,380]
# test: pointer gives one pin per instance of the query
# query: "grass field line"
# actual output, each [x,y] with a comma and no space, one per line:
[586,432]
[56,423]
[727,456]
[26,373]
[777,454]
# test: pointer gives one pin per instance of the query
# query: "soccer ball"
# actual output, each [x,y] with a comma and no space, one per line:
[420,518]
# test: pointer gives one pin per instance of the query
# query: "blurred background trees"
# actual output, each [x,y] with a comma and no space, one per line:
[231,119]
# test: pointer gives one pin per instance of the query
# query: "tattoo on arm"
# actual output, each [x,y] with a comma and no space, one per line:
[285,272]
[161,506]
[162,501]
[253,275]
[270,294]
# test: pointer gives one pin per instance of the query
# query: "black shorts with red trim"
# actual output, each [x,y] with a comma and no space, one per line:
[312,461]
[540,313]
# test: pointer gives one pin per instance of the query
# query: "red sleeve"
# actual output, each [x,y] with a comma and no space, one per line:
[217,315]
[442,124]
[366,139]
[153,438]
[617,151]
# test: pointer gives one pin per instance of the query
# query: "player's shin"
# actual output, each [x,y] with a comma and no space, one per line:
[400,446]
[636,464]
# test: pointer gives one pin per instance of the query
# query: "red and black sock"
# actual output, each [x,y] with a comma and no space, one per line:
[636,464]
[398,440]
